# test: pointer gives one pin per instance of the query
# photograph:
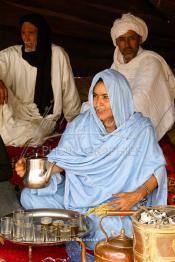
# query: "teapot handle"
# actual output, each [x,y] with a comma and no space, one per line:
[102,229]
[121,213]
[83,250]
[115,213]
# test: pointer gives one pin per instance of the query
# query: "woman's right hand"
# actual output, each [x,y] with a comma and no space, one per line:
[20,167]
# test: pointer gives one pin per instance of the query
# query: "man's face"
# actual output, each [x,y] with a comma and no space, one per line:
[128,45]
[29,34]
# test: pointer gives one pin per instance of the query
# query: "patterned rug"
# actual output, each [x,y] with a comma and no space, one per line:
[70,252]
[18,253]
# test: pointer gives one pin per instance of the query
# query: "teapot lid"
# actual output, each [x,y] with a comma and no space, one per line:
[121,241]
[37,156]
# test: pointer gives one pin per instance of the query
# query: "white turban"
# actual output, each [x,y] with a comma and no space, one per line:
[126,23]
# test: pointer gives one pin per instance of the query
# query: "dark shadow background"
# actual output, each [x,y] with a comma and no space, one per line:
[82,27]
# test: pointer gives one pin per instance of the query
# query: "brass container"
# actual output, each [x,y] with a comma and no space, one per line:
[114,249]
[152,243]
[155,243]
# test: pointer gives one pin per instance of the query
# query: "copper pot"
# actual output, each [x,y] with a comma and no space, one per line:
[112,249]
[118,249]
[151,243]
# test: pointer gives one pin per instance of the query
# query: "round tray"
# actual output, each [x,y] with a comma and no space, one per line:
[61,214]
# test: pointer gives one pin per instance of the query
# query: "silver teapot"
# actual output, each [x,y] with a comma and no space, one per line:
[38,173]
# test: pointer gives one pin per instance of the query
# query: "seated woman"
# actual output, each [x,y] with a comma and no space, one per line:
[9,201]
[109,154]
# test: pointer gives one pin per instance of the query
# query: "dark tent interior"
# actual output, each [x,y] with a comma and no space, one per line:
[83,27]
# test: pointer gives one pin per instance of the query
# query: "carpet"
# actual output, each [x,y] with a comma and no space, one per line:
[70,252]
[18,253]
[169,153]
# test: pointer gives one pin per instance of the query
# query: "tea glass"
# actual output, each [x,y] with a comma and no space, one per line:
[18,214]
[38,233]
[74,225]
[18,230]
[28,232]
[65,233]
[6,225]
[51,234]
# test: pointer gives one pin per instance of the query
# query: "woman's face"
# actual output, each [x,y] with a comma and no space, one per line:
[29,34]
[102,104]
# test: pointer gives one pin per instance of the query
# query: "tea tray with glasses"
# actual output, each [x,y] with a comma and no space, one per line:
[44,226]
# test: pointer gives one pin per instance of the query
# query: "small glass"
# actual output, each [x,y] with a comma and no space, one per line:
[46,221]
[18,227]
[28,234]
[51,234]
[6,225]
[18,214]
[58,224]
[38,233]
[65,233]
[74,225]
[82,222]
[28,218]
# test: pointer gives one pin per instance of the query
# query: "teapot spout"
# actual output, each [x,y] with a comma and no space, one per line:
[49,172]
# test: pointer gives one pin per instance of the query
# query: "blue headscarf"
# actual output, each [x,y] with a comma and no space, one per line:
[98,163]
[119,93]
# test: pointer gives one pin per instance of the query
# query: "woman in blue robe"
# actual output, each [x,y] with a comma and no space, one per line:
[109,154]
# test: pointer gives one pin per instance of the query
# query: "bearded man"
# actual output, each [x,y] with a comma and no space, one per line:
[151,80]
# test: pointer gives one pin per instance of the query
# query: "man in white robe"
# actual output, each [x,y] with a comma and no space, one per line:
[151,80]
[36,86]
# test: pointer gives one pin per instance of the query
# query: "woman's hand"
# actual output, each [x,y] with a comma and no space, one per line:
[125,201]
[20,167]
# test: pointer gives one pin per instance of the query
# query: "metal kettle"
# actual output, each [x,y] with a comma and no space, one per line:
[38,173]
[118,249]
[112,249]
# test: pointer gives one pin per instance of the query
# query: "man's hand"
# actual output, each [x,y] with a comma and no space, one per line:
[3,93]
[20,167]
[125,201]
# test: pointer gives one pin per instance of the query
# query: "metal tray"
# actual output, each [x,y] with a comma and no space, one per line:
[62,214]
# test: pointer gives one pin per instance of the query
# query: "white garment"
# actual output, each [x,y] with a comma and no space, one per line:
[20,120]
[153,87]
